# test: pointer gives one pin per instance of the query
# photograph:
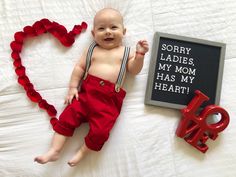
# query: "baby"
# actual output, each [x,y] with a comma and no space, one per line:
[95,91]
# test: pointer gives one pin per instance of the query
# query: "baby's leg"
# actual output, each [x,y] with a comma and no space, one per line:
[79,155]
[53,153]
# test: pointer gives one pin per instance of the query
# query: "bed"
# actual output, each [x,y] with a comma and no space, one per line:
[143,142]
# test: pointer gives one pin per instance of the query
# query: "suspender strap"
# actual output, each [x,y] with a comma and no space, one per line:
[88,58]
[122,69]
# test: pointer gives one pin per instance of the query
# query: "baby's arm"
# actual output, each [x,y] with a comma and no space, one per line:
[135,62]
[75,79]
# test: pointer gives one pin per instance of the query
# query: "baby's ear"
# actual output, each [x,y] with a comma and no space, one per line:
[92,33]
[124,31]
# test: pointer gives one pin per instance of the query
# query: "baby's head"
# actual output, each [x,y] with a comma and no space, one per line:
[108,29]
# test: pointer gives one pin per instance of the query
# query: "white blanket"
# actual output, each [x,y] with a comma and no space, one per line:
[143,141]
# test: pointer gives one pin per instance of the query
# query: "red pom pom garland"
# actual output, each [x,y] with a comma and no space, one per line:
[39,28]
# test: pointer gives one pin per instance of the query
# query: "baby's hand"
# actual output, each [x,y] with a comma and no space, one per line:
[142,47]
[73,92]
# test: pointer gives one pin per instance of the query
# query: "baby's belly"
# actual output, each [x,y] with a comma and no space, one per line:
[105,72]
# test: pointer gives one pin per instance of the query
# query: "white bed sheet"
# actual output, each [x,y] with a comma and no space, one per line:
[143,141]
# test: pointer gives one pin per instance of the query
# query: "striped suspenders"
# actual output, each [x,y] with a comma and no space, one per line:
[122,68]
[88,58]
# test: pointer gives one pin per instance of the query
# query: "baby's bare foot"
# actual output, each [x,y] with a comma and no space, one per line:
[78,156]
[51,155]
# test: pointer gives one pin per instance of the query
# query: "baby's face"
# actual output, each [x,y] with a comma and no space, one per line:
[108,30]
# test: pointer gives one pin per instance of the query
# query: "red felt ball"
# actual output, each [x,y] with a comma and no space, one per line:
[58,31]
[28,86]
[46,23]
[61,30]
[29,30]
[51,111]
[53,121]
[43,104]
[15,55]
[33,95]
[17,63]
[23,80]
[77,29]
[39,27]
[67,40]
[71,33]
[15,46]
[84,25]
[20,71]
[19,36]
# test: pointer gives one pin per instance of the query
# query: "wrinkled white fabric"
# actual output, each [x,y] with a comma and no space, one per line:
[143,141]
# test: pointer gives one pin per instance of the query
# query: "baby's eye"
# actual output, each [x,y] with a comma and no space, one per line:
[114,27]
[101,28]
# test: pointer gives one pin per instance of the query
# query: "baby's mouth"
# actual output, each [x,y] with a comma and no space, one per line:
[109,39]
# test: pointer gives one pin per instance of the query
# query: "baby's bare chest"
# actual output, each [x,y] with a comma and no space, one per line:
[106,65]
[107,61]
[107,58]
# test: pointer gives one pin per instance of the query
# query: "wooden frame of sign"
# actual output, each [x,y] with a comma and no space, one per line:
[180,65]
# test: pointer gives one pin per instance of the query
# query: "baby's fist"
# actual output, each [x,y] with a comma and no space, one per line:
[142,46]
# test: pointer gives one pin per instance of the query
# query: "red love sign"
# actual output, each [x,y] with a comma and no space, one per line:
[39,28]
[194,128]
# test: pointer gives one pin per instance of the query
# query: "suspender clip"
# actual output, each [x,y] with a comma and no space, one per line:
[117,88]
[85,75]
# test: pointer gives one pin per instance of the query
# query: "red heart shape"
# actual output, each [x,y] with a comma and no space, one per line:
[39,28]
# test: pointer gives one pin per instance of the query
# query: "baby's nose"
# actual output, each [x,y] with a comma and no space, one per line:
[108,31]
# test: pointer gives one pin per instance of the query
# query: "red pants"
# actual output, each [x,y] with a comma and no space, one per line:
[99,105]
